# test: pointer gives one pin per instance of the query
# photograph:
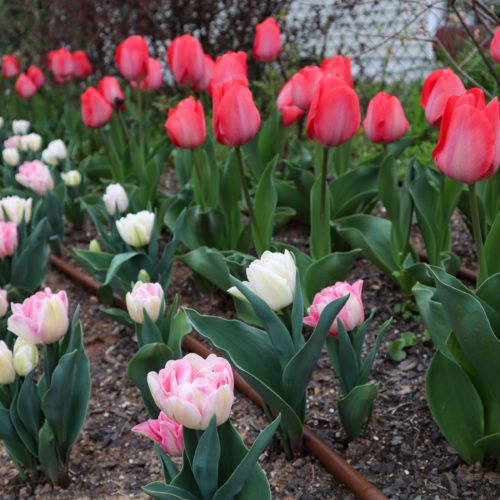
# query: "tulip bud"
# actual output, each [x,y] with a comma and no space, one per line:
[143,276]
[55,152]
[192,390]
[352,314]
[112,92]
[20,127]
[267,43]
[4,303]
[7,371]
[204,81]
[33,141]
[25,357]
[96,111]
[272,278]
[10,66]
[131,56]
[36,75]
[24,86]
[11,156]
[186,125]
[61,65]
[94,246]
[135,229]
[154,78]
[41,318]
[8,239]
[338,66]
[35,175]
[289,111]
[148,296]
[81,65]
[115,196]
[72,178]
[232,65]
[16,209]
[185,60]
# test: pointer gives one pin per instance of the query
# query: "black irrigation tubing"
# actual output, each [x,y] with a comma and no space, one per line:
[332,460]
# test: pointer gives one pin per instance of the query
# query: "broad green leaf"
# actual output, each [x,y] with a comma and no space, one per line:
[489,444]
[247,481]
[297,373]
[162,491]
[491,247]
[455,406]
[356,407]
[49,455]
[388,188]
[170,470]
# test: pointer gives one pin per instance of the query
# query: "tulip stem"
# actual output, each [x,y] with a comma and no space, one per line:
[476,228]
[50,357]
[200,180]
[442,219]
[246,193]
[322,204]
[124,124]
[282,435]
[140,119]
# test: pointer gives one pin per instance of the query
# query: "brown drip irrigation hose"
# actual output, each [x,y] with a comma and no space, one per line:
[332,460]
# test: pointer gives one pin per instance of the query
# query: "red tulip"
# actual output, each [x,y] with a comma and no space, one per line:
[24,86]
[96,111]
[154,80]
[61,64]
[81,65]
[236,119]
[267,43]
[303,86]
[334,115]
[495,46]
[186,124]
[132,58]
[468,148]
[385,120]
[286,107]
[438,87]
[185,60]
[36,75]
[10,66]
[338,66]
[209,64]
[232,65]
[112,92]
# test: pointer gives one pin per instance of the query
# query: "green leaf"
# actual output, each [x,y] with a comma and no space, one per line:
[116,263]
[118,315]
[455,406]
[298,371]
[388,188]
[247,481]
[14,444]
[491,247]
[178,331]
[150,357]
[297,315]
[356,406]
[264,206]
[489,444]
[276,330]
[48,453]
[327,271]
[170,470]
[65,402]
[396,349]
[162,491]
[206,460]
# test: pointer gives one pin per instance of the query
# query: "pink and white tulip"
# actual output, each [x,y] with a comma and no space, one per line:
[16,209]
[115,196]
[144,296]
[35,175]
[166,432]
[136,229]
[8,239]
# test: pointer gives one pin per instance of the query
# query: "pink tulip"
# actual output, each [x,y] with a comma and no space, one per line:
[235,117]
[438,87]
[352,314]
[385,120]
[36,75]
[232,65]
[192,390]
[41,318]
[81,65]
[304,85]
[132,58]
[338,66]
[203,82]
[10,66]
[186,124]
[61,65]
[14,141]
[35,175]
[334,115]
[495,46]
[8,239]
[25,87]
[111,91]
[166,432]
[289,111]
[144,296]
[96,111]
[154,79]
[468,148]
[267,43]
[185,60]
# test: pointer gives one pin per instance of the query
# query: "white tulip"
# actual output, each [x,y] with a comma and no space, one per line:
[20,126]
[1,122]
[115,196]
[7,371]
[11,156]
[272,278]
[25,357]
[135,229]
[32,141]
[16,208]
[72,178]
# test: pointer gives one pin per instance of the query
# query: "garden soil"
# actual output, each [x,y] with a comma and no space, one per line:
[402,453]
